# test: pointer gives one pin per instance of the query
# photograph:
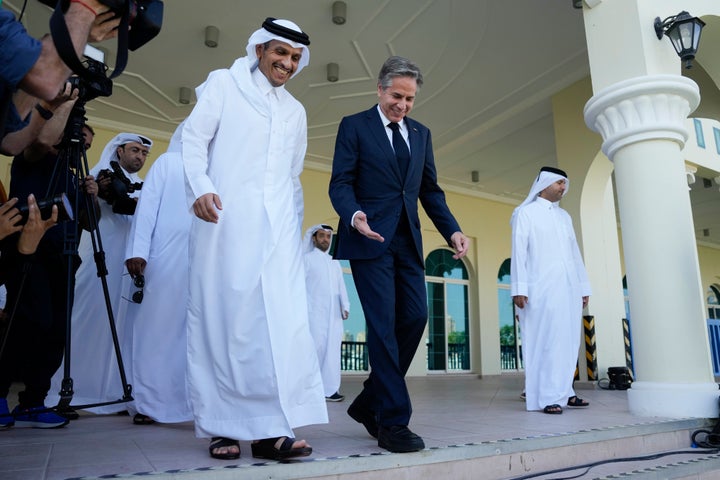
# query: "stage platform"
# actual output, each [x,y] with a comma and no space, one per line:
[474,428]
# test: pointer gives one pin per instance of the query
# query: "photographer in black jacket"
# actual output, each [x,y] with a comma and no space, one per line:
[40,288]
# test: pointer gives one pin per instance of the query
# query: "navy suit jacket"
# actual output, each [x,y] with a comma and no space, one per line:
[365,176]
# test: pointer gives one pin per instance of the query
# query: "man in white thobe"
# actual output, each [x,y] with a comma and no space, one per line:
[157,252]
[252,368]
[550,288]
[328,306]
[93,364]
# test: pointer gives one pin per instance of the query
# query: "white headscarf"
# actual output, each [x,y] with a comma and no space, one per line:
[543,180]
[308,244]
[262,36]
[119,140]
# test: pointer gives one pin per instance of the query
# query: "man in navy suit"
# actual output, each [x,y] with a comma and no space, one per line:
[383,164]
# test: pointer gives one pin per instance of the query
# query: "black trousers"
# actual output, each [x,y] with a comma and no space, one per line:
[394,299]
[36,339]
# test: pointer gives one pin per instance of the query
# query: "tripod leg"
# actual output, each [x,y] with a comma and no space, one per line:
[102,272]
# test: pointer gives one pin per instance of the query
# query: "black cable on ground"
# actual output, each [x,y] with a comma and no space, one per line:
[588,466]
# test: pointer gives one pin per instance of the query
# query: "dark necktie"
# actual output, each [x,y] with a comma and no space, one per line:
[402,153]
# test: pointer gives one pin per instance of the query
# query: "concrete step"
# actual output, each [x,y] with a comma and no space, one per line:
[514,458]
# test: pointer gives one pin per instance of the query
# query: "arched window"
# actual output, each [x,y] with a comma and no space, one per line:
[510,345]
[713,301]
[448,340]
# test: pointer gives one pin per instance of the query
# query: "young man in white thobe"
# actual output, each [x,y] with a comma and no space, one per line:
[550,288]
[93,364]
[328,306]
[157,252]
[252,368]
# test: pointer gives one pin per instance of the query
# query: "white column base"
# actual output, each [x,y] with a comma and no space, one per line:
[674,400]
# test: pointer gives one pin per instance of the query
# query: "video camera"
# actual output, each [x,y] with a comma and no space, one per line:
[96,86]
[144,16]
[120,187]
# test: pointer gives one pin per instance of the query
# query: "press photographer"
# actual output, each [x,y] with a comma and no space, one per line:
[38,296]
[119,185]
[116,187]
[31,68]
[39,68]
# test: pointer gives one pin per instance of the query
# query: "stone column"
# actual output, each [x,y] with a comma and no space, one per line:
[641,121]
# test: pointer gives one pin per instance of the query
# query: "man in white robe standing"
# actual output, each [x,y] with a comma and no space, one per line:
[93,364]
[550,288]
[252,368]
[328,306]
[157,252]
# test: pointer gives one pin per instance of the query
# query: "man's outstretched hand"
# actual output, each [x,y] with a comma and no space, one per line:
[361,225]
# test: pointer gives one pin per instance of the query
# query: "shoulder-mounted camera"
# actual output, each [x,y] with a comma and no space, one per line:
[117,193]
[140,22]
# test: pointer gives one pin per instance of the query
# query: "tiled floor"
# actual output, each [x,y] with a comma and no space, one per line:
[448,410]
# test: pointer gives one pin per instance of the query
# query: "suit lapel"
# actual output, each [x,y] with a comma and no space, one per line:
[377,129]
[415,146]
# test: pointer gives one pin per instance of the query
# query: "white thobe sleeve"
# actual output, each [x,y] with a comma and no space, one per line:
[199,131]
[146,212]
[297,168]
[518,259]
[344,301]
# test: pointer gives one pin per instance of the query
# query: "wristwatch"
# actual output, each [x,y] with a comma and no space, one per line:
[44,112]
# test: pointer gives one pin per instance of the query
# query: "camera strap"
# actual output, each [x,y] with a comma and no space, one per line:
[66,50]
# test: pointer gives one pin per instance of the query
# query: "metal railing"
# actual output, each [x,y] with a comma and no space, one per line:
[508,357]
[353,357]
[458,356]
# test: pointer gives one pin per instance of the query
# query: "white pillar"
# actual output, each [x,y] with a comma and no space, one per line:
[641,121]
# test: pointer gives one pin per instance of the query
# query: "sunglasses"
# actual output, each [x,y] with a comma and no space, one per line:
[137,296]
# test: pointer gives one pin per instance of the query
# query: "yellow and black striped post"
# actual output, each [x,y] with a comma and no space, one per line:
[590,351]
[628,348]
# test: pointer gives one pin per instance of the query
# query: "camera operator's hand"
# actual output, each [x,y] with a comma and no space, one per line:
[9,217]
[99,6]
[104,27]
[35,227]
[104,183]
[67,94]
[90,185]
[135,266]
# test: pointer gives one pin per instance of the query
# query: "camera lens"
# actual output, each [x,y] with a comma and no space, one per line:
[65,211]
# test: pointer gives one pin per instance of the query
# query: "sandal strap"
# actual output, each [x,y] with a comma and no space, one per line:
[219,442]
[287,444]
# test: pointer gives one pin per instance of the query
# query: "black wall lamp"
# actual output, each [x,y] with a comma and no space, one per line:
[683,32]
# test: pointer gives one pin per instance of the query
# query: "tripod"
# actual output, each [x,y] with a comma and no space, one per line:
[73,157]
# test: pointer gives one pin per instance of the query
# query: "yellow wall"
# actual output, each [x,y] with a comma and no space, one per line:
[709,258]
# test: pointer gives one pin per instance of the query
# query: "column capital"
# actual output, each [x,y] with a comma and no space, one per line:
[642,108]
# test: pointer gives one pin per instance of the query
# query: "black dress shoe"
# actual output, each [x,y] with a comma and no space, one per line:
[399,439]
[364,416]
